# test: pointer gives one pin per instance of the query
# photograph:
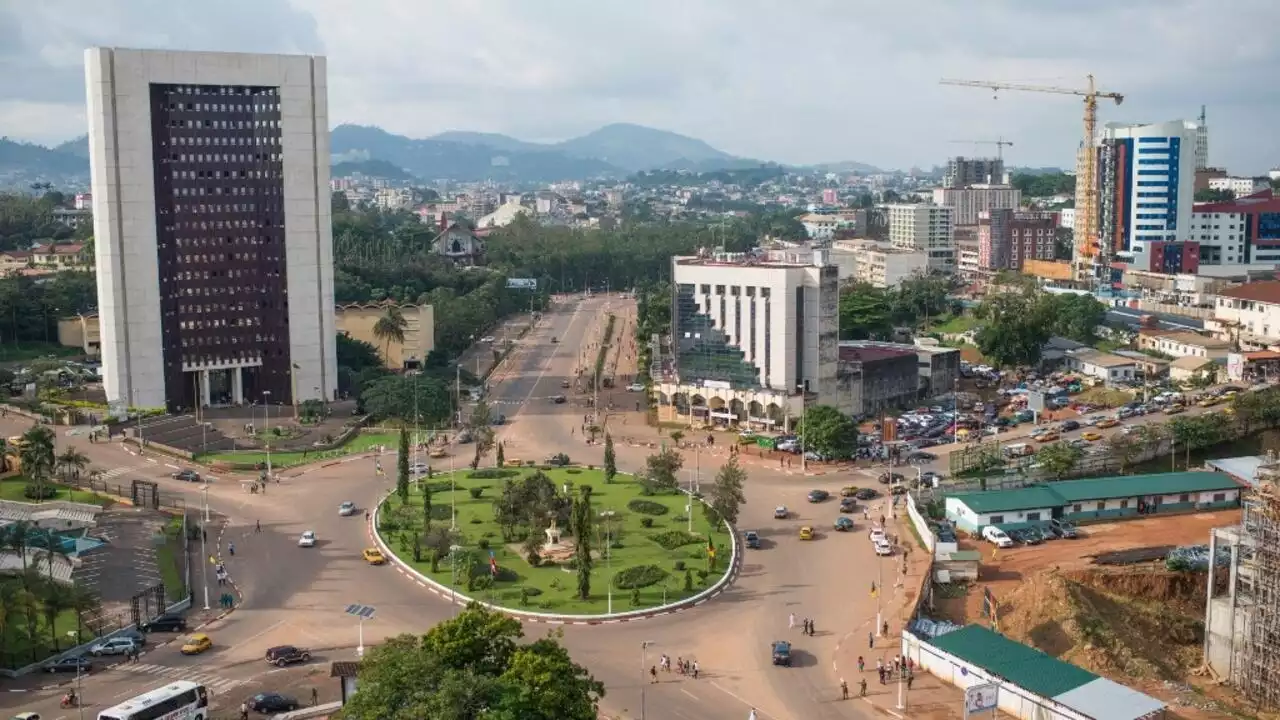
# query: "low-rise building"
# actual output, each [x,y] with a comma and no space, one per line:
[889,375]
[1248,314]
[81,331]
[358,321]
[939,367]
[1190,367]
[878,264]
[1182,344]
[1239,186]
[1095,499]
[1103,366]
[1149,366]
[459,243]
[504,215]
[68,256]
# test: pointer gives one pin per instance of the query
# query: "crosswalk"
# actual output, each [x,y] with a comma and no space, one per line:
[116,472]
[215,683]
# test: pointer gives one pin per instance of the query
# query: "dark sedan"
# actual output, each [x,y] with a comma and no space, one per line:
[70,664]
[817,496]
[165,623]
[272,703]
[186,476]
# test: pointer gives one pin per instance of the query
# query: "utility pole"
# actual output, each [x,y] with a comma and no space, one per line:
[204,549]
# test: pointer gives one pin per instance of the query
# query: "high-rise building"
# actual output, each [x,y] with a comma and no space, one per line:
[927,228]
[1146,176]
[212,224]
[963,172]
[969,201]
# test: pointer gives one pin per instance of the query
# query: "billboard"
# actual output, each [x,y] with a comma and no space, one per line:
[981,698]
[522,284]
[1035,401]
[1235,366]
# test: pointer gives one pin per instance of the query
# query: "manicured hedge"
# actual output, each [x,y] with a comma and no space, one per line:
[647,507]
[639,576]
[672,539]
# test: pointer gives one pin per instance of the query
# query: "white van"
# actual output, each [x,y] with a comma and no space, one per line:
[996,536]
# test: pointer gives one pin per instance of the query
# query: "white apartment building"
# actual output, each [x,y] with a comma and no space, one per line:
[968,202]
[1223,237]
[877,264]
[211,212]
[1151,170]
[1067,218]
[393,198]
[748,334]
[1239,186]
[926,228]
[1249,314]
[818,226]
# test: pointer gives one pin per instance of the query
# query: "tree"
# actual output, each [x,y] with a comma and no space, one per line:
[660,470]
[727,496]
[580,526]
[1123,448]
[1212,195]
[610,459]
[1074,316]
[394,397]
[1016,327]
[37,455]
[402,468]
[426,504]
[390,328]
[501,459]
[439,543]
[543,683]
[864,312]
[828,431]
[70,462]
[1058,459]
[1044,184]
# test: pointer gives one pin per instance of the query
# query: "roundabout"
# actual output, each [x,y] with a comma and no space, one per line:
[507,537]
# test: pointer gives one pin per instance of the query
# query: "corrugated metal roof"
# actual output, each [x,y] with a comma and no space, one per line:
[1125,486]
[1028,498]
[1014,662]
[1103,698]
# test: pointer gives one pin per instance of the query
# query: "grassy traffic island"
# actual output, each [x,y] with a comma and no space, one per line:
[639,542]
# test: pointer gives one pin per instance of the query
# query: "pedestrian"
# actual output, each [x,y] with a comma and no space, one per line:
[315,697]
[880,666]
[882,521]
[862,664]
[791,622]
[882,676]
[811,629]
[871,640]
[910,678]
[204,535]
[695,669]
[844,689]
[231,548]
[680,665]
[244,711]
[653,674]
[884,629]
[258,526]
[862,687]
[804,626]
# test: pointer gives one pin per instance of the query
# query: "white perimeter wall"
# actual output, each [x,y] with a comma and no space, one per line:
[119,111]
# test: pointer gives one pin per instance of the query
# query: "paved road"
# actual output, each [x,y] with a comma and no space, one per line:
[295,596]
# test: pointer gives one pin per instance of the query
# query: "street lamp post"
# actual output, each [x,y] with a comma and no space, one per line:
[608,554]
[204,548]
[75,635]
[362,613]
[266,428]
[453,577]
[644,663]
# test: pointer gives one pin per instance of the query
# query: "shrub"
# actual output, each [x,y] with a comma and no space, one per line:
[558,460]
[475,492]
[680,518]
[688,581]
[674,539]
[639,576]
[679,565]
[441,512]
[484,543]
[646,522]
[647,507]
[531,591]
[506,575]
[573,471]
[482,582]
[476,521]
[492,473]
[702,575]
[39,492]
[635,597]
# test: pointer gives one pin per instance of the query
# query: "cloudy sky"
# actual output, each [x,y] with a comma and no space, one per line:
[798,81]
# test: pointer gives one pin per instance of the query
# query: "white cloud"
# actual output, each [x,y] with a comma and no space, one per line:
[802,81]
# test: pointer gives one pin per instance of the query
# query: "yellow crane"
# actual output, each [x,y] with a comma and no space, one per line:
[1000,144]
[1087,241]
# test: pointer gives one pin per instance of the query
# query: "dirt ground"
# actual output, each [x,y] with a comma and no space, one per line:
[1139,625]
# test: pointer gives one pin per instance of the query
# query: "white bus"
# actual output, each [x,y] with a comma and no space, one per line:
[180,700]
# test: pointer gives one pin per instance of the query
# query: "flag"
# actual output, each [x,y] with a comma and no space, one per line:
[493,564]
[711,548]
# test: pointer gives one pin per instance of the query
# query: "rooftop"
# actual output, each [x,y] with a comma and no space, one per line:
[874,352]
[1068,492]
[998,501]
[1265,292]
[1191,362]
[1186,338]
[1012,661]
[729,260]
[1099,358]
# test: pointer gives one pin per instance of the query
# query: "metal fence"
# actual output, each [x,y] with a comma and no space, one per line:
[128,489]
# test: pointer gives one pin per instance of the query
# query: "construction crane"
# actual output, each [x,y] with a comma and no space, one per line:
[1000,144]
[1087,245]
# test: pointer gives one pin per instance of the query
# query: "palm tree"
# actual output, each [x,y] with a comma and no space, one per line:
[85,602]
[390,327]
[8,612]
[70,462]
[14,538]
[54,599]
[37,456]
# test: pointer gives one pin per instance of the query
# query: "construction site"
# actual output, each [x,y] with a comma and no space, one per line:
[1242,614]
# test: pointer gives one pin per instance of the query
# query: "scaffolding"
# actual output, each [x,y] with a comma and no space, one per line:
[1258,573]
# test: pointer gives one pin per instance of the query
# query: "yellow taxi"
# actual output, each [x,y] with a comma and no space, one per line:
[1092,436]
[514,462]
[196,644]
[806,533]
[849,491]
[1174,409]
[1107,423]
[374,556]
[436,453]
[1046,437]
[1208,402]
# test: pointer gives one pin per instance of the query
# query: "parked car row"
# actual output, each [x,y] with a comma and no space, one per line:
[1030,535]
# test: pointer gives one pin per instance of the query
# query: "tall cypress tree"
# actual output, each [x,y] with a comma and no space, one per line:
[581,520]
[610,460]
[402,468]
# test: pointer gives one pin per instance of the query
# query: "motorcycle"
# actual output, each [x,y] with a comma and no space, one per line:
[69,700]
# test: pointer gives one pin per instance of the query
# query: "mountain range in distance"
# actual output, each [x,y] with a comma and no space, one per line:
[613,151]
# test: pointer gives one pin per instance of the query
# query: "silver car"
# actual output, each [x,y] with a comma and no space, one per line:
[347,509]
[114,646]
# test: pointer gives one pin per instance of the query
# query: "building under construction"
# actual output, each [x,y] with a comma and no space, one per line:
[1242,621]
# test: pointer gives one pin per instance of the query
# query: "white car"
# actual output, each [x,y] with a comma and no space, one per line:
[883,547]
[487,339]
[635,387]
[781,512]
[308,539]
[878,536]
[419,468]
[347,509]
[996,536]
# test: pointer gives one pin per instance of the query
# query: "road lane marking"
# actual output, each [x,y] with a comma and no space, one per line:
[251,638]
[686,692]
[739,698]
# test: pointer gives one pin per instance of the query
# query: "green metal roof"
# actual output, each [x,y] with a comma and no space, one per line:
[1067,492]
[1027,498]
[1126,486]
[1012,661]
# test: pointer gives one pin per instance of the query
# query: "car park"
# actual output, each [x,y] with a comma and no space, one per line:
[272,703]
[74,664]
[347,509]
[197,644]
[282,655]
[187,475]
[782,653]
[996,536]
[806,533]
[781,512]
[843,524]
[373,556]
[114,646]
[752,539]
[165,623]
[308,539]
[817,496]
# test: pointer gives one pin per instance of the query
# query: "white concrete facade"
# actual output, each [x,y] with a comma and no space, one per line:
[878,264]
[968,202]
[1163,172]
[1239,186]
[926,228]
[118,86]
